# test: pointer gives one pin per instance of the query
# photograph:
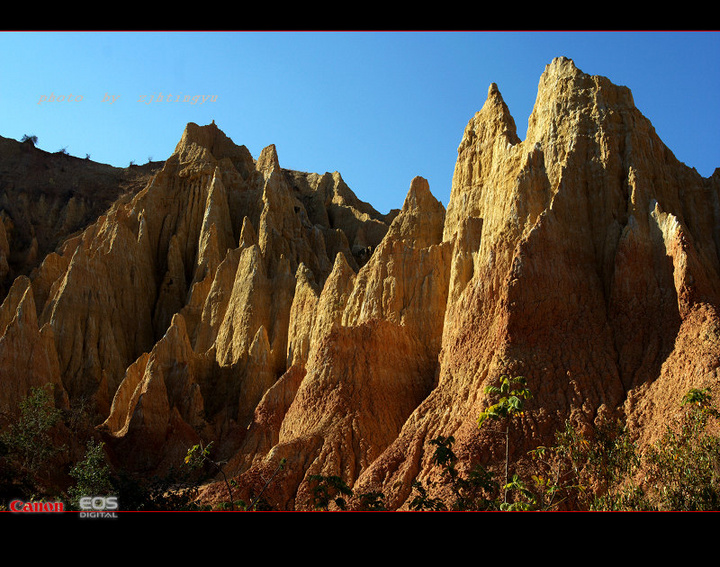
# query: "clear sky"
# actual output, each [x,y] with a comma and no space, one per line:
[378,107]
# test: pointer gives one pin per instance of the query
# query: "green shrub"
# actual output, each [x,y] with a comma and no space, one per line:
[92,475]
[683,467]
[28,445]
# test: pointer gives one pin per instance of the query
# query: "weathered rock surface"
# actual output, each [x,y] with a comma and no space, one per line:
[584,257]
[170,313]
[28,358]
[586,260]
[47,197]
[273,313]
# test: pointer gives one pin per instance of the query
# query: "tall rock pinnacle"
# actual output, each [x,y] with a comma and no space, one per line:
[585,258]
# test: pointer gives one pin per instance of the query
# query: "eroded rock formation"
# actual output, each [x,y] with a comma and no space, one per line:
[587,261]
[274,314]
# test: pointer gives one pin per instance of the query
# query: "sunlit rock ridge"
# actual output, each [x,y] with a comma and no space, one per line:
[275,315]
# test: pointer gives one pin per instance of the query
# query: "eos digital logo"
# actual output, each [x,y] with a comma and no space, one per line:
[98,507]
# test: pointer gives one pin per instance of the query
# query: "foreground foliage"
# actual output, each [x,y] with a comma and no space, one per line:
[28,447]
[599,468]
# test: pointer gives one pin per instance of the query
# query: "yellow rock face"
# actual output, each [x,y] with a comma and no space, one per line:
[585,258]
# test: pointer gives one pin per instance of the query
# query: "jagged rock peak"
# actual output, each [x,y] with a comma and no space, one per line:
[268,159]
[196,138]
[491,123]
[562,72]
[562,66]
[419,196]
[208,136]
[422,216]
[563,86]
[494,97]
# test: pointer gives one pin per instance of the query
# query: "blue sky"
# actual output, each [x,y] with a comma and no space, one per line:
[378,107]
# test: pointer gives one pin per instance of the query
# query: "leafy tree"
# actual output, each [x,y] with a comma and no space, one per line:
[701,400]
[422,500]
[329,489]
[684,465]
[371,501]
[31,139]
[605,470]
[478,491]
[591,470]
[198,455]
[526,498]
[28,442]
[92,474]
[513,392]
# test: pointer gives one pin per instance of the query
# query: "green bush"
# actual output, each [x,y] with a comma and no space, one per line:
[683,468]
[27,445]
[605,469]
[591,468]
[92,475]
[598,468]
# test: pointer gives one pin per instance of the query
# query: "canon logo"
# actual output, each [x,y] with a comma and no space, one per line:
[36,507]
